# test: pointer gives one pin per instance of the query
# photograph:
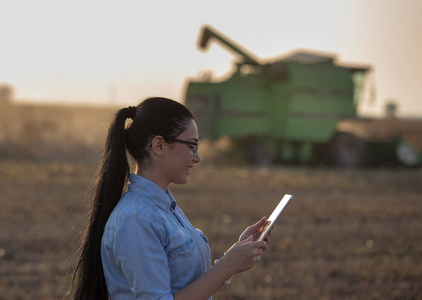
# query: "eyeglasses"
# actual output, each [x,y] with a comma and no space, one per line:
[192,145]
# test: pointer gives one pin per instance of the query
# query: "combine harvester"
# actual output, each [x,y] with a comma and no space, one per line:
[289,109]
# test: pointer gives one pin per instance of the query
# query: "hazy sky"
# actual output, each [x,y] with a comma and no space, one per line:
[124,51]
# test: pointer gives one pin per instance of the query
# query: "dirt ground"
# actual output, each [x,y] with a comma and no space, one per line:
[347,234]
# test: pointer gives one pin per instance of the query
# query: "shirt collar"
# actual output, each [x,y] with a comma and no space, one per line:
[152,191]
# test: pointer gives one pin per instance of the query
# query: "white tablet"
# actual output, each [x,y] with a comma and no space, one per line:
[274,216]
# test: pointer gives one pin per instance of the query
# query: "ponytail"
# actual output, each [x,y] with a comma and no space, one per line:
[88,280]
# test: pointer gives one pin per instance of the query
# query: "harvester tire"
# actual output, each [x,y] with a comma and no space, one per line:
[260,155]
[346,150]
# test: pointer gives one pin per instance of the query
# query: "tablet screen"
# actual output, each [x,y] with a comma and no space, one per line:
[274,216]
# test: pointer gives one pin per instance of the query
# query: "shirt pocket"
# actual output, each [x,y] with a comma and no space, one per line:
[182,261]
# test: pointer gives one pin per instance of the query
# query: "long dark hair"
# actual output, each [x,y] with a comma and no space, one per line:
[152,117]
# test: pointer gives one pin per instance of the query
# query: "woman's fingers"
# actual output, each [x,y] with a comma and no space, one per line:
[257,255]
[267,240]
[261,222]
[259,244]
[253,229]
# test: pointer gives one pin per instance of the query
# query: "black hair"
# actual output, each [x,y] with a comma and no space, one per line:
[152,117]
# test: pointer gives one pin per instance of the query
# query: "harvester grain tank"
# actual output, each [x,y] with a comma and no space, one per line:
[286,109]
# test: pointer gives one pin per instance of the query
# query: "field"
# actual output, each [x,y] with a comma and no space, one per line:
[347,234]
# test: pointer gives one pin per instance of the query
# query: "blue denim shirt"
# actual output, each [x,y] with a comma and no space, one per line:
[149,248]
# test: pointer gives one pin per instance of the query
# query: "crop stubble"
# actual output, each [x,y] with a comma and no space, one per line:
[347,234]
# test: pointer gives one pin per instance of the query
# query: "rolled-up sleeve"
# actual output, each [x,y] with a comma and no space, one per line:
[139,252]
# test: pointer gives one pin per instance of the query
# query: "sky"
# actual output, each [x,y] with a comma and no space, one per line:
[120,52]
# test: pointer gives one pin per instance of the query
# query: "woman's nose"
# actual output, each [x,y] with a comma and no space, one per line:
[196,157]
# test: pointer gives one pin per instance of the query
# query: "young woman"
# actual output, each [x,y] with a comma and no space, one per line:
[141,245]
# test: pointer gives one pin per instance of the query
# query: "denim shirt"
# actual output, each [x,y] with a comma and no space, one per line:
[149,248]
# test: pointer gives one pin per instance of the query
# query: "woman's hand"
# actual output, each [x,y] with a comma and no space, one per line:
[255,231]
[243,255]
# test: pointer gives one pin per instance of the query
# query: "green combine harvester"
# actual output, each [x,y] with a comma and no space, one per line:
[285,110]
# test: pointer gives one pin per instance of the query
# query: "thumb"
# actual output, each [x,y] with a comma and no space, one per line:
[262,222]
[248,240]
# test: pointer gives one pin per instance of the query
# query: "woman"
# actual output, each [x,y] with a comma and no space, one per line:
[141,245]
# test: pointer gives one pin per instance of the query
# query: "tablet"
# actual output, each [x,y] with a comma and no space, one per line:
[274,216]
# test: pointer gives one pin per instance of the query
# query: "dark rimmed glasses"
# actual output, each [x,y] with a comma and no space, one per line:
[192,145]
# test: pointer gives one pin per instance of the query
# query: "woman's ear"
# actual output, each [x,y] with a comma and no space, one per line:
[157,145]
